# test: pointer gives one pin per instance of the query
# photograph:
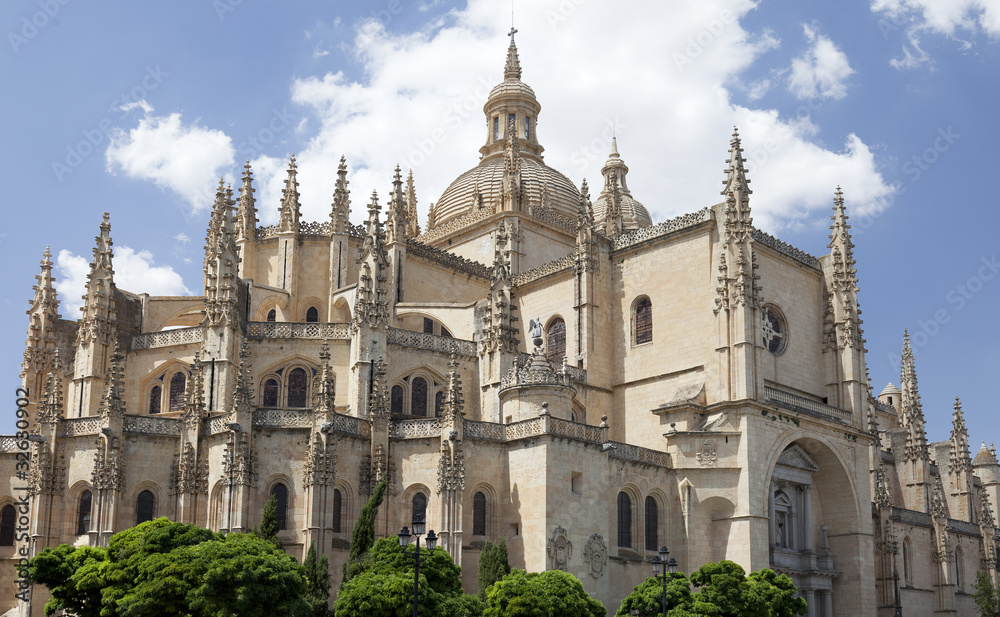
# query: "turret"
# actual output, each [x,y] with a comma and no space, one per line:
[512,110]
[412,222]
[616,198]
[962,492]
[96,327]
[246,225]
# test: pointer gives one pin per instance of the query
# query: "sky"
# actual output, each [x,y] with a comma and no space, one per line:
[139,108]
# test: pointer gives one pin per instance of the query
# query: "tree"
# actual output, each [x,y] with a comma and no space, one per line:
[493,565]
[363,534]
[164,568]
[646,599]
[986,595]
[540,594]
[382,586]
[269,521]
[317,573]
[723,589]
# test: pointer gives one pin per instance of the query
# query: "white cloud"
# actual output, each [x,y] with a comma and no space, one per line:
[185,158]
[758,89]
[951,18]
[821,71]
[182,238]
[419,104]
[134,271]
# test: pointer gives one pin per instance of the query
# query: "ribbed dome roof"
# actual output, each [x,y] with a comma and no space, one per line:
[890,389]
[511,87]
[634,214]
[487,177]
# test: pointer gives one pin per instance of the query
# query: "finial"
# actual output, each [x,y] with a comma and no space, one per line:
[512,70]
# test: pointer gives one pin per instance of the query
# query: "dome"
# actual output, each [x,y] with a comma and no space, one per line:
[634,214]
[511,112]
[890,389]
[487,179]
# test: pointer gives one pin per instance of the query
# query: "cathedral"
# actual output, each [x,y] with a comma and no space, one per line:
[535,364]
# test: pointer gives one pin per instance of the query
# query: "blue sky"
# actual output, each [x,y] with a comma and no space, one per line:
[138,108]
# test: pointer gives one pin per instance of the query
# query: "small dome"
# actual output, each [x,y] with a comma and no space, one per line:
[984,457]
[634,214]
[511,88]
[890,389]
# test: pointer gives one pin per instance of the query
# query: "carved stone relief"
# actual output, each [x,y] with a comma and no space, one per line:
[596,554]
[560,549]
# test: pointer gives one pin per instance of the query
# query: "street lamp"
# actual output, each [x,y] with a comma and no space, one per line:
[404,540]
[658,563]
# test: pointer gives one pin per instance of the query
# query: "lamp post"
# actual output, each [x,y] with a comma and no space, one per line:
[404,540]
[659,563]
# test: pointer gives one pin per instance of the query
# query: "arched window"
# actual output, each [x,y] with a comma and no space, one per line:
[144,505]
[624,521]
[418,397]
[177,392]
[280,492]
[8,518]
[652,522]
[338,505]
[83,515]
[396,399]
[439,403]
[774,330]
[154,399]
[555,340]
[479,514]
[907,563]
[312,315]
[297,388]
[272,315]
[643,321]
[959,569]
[270,394]
[420,507]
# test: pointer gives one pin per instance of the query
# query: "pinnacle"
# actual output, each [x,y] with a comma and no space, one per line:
[512,70]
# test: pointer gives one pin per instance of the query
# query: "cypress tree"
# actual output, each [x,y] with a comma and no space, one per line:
[317,572]
[363,535]
[493,565]
[269,521]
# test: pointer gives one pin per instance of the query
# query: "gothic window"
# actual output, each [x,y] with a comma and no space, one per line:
[280,493]
[144,505]
[439,403]
[418,397]
[783,521]
[419,507]
[83,515]
[8,518]
[652,522]
[428,326]
[555,340]
[479,514]
[338,505]
[312,315]
[177,392]
[774,331]
[396,400]
[624,521]
[269,397]
[297,388]
[959,569]
[907,563]
[271,315]
[445,332]
[643,321]
[154,399]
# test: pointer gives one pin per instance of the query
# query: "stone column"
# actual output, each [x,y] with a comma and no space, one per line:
[827,604]
[770,514]
[810,597]
[807,516]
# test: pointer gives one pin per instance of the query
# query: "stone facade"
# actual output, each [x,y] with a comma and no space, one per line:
[587,388]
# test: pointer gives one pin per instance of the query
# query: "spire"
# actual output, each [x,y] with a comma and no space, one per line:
[912,415]
[412,222]
[42,316]
[290,201]
[985,456]
[960,458]
[737,192]
[454,402]
[431,217]
[340,213]
[45,301]
[243,399]
[396,219]
[221,260]
[512,171]
[220,225]
[52,407]
[371,307]
[246,211]
[844,273]
[512,69]
[98,308]
[325,395]
[194,394]
[113,402]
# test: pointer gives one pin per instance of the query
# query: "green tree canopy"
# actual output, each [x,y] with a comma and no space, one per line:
[493,565]
[363,534]
[269,521]
[163,568]
[317,573]
[985,595]
[382,586]
[540,594]
[722,589]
